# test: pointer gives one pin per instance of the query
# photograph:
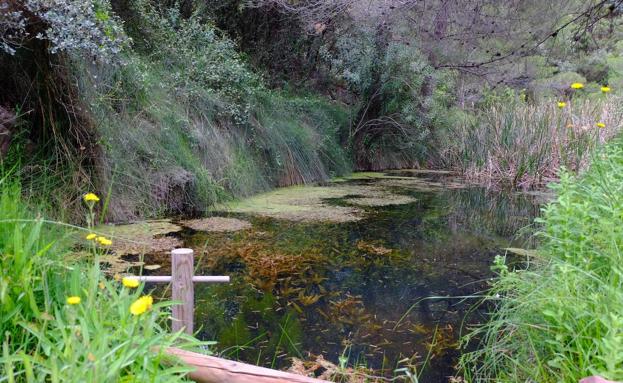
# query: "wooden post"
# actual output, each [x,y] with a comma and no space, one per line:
[182,265]
[182,280]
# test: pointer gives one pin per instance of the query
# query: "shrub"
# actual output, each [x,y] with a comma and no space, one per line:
[85,26]
[561,318]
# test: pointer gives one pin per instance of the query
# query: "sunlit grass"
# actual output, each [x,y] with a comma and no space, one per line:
[61,318]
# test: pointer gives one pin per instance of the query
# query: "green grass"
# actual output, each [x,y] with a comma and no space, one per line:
[561,319]
[166,150]
[44,339]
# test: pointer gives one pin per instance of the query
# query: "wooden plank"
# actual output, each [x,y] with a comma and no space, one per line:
[167,278]
[596,379]
[182,290]
[210,369]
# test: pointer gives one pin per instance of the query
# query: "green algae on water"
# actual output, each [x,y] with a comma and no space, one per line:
[311,203]
[145,237]
[217,224]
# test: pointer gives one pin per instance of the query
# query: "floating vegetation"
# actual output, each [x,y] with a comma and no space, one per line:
[311,203]
[147,237]
[217,224]
[385,199]
[300,203]
[351,274]
[372,248]
[414,172]
[110,263]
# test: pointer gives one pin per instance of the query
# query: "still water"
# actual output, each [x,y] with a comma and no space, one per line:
[393,289]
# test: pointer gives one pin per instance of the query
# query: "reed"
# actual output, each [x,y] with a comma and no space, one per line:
[525,145]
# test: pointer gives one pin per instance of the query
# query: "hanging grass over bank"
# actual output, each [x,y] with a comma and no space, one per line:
[173,123]
[561,319]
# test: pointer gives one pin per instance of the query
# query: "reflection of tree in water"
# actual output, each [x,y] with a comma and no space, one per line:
[485,212]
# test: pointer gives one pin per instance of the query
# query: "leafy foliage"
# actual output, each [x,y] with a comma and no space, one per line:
[560,319]
[195,56]
[85,26]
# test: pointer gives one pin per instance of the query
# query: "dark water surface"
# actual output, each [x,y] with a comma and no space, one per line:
[377,291]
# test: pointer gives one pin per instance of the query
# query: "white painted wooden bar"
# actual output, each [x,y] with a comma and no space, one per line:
[182,279]
[167,278]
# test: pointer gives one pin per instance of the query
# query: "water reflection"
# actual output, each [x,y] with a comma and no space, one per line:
[380,290]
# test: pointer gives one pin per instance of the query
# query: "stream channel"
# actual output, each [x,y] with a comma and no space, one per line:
[381,270]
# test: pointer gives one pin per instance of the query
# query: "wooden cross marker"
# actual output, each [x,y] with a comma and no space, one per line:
[182,278]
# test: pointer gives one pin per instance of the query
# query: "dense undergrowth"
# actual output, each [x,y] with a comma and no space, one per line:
[151,103]
[172,123]
[92,337]
[560,319]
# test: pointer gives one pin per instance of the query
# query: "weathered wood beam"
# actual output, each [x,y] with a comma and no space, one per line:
[210,369]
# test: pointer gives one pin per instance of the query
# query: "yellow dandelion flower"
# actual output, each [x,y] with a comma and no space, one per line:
[90,197]
[561,104]
[103,241]
[141,305]
[601,125]
[605,89]
[91,236]
[73,300]
[577,85]
[130,282]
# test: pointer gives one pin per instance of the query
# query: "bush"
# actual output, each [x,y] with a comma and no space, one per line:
[85,26]
[561,319]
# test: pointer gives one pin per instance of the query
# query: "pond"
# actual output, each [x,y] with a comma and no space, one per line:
[378,270]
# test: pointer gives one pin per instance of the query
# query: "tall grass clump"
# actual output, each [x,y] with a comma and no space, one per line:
[520,144]
[61,318]
[561,318]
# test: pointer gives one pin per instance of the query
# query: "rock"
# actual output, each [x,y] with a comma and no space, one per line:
[173,188]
